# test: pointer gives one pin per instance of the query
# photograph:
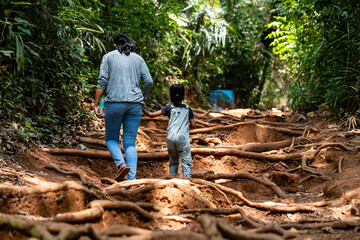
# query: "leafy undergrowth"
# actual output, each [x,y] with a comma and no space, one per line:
[256,175]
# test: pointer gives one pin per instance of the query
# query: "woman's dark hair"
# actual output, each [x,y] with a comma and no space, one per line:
[177,93]
[124,44]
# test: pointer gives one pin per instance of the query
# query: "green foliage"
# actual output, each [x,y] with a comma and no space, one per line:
[51,52]
[324,53]
[284,37]
[44,69]
[223,48]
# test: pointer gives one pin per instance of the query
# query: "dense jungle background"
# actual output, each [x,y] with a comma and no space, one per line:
[284,164]
[294,53]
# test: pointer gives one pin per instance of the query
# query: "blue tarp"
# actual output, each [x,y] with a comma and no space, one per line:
[221,99]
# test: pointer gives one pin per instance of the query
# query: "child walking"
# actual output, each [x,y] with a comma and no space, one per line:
[177,137]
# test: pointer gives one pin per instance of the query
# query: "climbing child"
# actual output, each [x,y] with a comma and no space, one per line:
[177,138]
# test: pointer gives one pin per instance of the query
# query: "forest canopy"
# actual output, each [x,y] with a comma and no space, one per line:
[307,51]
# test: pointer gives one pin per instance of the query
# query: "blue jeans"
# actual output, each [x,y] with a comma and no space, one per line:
[128,115]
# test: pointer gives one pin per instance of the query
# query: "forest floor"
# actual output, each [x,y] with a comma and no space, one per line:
[256,175]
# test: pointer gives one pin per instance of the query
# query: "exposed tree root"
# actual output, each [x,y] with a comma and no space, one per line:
[333,144]
[263,147]
[108,180]
[164,155]
[244,154]
[226,114]
[205,151]
[121,205]
[100,142]
[153,130]
[97,207]
[67,232]
[152,133]
[141,132]
[272,206]
[307,178]
[67,172]
[333,224]
[25,225]
[224,211]
[102,154]
[53,187]
[354,203]
[283,124]
[161,119]
[236,176]
[222,121]
[122,230]
[153,183]
[260,227]
[206,124]
[143,234]
[80,216]
[279,118]
[278,129]
[339,165]
[275,229]
[77,232]
[220,127]
[218,230]
[309,130]
[306,168]
[205,141]
[161,235]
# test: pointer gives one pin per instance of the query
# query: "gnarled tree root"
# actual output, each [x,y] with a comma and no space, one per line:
[152,184]
[96,210]
[122,205]
[272,206]
[67,172]
[25,225]
[266,181]
[53,187]
[333,224]
[231,126]
[80,216]
[218,230]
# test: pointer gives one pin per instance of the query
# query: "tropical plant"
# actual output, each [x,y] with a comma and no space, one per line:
[323,53]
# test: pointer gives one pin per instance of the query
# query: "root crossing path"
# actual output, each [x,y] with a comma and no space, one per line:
[255,176]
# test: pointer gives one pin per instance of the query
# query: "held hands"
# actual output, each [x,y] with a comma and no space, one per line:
[151,114]
[146,112]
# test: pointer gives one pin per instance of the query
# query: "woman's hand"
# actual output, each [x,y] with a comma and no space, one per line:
[98,94]
[96,110]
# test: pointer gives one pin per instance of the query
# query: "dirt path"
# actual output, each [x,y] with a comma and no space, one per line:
[255,176]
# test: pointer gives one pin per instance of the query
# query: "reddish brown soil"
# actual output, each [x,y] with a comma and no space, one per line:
[29,169]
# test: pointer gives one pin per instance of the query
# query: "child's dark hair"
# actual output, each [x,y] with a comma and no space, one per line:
[177,93]
[124,44]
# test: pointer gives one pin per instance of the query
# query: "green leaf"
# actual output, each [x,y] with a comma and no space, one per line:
[27,31]
[20,20]
[7,52]
[20,3]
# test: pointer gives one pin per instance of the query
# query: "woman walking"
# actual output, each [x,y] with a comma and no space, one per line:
[120,73]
